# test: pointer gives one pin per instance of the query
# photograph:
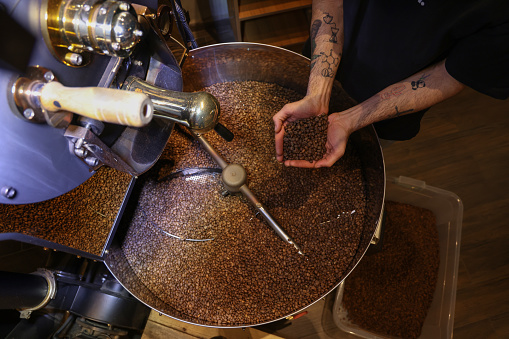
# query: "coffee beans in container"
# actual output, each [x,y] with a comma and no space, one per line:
[390,292]
[81,219]
[305,139]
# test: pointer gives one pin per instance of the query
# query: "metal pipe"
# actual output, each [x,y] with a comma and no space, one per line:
[21,290]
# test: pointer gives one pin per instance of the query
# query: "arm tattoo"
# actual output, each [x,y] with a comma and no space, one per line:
[398,113]
[328,19]
[330,61]
[395,91]
[419,83]
[314,32]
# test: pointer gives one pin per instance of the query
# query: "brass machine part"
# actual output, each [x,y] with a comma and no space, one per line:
[72,29]
[198,111]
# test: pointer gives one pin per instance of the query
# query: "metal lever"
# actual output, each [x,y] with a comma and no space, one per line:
[198,111]
[41,98]
[234,178]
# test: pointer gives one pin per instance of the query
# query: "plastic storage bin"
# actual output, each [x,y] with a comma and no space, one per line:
[448,210]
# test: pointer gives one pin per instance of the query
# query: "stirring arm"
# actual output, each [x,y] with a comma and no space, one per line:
[238,184]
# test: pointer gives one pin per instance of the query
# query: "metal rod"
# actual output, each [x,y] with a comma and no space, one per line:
[211,150]
[268,217]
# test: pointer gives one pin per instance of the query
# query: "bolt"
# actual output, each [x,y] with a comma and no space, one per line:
[8,192]
[138,63]
[86,8]
[115,46]
[78,143]
[124,6]
[81,152]
[103,11]
[29,113]
[138,33]
[49,76]
[92,161]
[74,59]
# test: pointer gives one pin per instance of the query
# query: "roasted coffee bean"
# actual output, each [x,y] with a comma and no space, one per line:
[305,139]
[390,292]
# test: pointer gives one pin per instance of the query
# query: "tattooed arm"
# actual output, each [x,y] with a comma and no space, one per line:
[418,92]
[326,47]
[326,37]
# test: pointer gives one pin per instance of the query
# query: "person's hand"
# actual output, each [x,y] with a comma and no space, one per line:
[302,109]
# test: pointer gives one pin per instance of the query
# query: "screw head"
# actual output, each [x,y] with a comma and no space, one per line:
[49,76]
[74,59]
[8,192]
[29,113]
[124,6]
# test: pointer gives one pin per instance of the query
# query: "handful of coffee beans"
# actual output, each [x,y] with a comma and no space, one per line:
[305,139]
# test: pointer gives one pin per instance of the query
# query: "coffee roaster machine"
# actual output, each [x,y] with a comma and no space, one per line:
[87,85]
[55,139]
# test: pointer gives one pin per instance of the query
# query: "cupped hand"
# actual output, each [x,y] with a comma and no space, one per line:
[338,133]
[302,109]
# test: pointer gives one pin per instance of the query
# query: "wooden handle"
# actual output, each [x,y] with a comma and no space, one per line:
[104,104]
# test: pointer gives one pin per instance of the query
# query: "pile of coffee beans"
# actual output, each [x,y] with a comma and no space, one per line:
[305,139]
[81,219]
[390,292]
[242,273]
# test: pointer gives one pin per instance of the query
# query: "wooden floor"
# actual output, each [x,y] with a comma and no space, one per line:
[463,147]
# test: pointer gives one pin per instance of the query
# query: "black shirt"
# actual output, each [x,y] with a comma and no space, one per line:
[388,41]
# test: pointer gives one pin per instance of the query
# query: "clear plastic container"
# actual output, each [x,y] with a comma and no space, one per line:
[448,210]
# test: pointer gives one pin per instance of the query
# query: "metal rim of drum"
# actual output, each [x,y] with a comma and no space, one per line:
[291,70]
